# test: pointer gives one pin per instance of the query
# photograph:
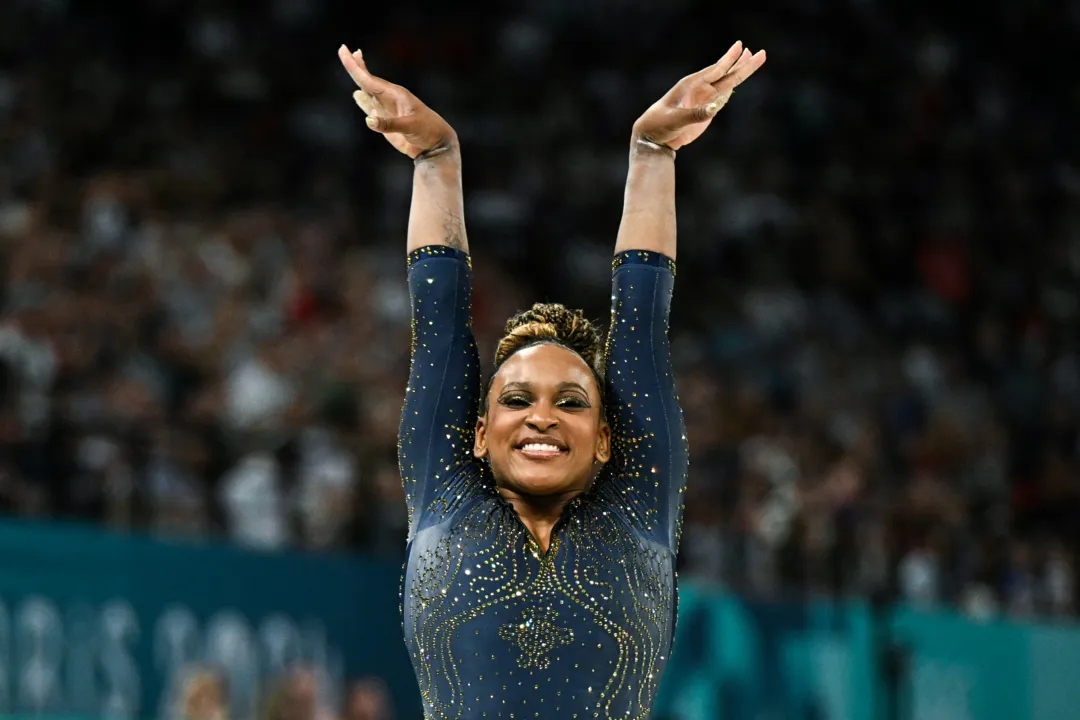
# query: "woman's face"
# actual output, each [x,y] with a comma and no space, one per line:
[543,431]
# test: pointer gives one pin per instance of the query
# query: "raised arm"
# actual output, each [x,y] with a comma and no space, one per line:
[439,414]
[437,215]
[673,121]
[650,448]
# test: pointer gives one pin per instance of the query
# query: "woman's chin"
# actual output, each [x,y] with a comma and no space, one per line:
[540,484]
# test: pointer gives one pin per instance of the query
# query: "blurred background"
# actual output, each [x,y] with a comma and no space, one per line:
[204,342]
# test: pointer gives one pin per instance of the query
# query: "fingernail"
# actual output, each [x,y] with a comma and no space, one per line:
[343,48]
[711,109]
[371,122]
[358,54]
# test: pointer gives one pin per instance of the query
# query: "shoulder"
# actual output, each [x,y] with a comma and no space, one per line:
[464,492]
[621,497]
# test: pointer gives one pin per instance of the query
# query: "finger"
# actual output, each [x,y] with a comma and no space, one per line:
[357,69]
[725,92]
[681,117]
[738,75]
[721,67]
[378,84]
[741,62]
[378,89]
[350,64]
[401,124]
[364,101]
[748,67]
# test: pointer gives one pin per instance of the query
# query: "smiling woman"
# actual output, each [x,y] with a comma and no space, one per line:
[543,429]
[544,533]
[540,580]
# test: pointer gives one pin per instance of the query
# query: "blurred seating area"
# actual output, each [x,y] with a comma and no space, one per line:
[203,695]
[205,318]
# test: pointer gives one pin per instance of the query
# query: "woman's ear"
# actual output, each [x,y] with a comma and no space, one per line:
[480,449]
[603,443]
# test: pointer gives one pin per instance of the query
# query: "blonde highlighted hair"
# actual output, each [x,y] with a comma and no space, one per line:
[552,323]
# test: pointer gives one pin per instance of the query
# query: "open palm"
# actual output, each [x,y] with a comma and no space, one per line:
[685,112]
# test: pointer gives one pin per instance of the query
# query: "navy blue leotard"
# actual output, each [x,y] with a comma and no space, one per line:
[495,628]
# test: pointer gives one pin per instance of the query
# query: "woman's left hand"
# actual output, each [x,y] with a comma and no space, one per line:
[686,110]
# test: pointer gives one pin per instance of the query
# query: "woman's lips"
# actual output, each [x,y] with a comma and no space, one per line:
[540,451]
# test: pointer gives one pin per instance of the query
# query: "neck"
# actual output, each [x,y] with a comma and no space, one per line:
[539,513]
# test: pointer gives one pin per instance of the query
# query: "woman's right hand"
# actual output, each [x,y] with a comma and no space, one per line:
[406,123]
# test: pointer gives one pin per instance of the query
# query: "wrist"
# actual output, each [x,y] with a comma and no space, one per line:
[641,145]
[447,148]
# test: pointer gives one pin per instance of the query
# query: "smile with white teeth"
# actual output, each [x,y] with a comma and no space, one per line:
[540,447]
[539,450]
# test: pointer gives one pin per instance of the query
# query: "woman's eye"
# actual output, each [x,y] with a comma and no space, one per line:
[515,401]
[572,403]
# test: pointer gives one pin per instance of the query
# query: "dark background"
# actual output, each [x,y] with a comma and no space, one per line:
[205,330]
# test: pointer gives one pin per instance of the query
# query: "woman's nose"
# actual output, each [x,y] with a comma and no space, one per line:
[541,419]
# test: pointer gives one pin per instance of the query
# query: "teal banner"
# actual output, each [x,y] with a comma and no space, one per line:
[98,625]
[741,660]
[736,659]
[94,625]
[964,669]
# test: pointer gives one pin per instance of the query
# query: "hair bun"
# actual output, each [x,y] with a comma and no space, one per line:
[556,323]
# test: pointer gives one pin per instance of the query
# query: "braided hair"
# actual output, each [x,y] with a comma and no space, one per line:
[556,324]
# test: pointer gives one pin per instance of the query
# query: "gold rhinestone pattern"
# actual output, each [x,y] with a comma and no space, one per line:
[495,628]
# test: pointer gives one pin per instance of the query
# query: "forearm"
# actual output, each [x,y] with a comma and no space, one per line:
[648,219]
[437,213]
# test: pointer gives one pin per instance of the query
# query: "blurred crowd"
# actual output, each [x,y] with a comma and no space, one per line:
[205,317]
[204,695]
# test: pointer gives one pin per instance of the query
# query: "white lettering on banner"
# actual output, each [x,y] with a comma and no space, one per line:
[119,632]
[81,659]
[5,658]
[39,654]
[329,663]
[281,639]
[176,647]
[250,660]
[80,670]
[229,645]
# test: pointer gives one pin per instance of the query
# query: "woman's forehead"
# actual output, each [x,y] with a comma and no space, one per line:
[545,365]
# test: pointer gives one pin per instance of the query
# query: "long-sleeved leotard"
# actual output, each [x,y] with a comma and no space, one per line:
[495,628]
